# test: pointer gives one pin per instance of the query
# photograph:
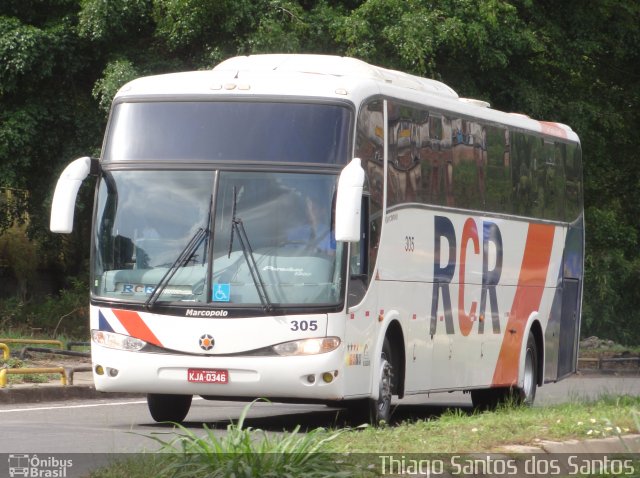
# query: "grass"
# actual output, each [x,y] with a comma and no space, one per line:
[459,432]
[13,362]
[246,452]
[242,452]
[39,335]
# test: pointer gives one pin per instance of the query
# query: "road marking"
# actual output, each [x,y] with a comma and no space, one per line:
[88,405]
[113,404]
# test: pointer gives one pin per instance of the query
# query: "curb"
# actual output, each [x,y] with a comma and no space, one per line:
[618,444]
[53,394]
[606,372]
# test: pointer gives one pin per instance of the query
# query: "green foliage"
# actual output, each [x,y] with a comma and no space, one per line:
[458,432]
[453,432]
[116,74]
[67,313]
[247,452]
[613,266]
[61,61]
[113,20]
[198,27]
[17,250]
[13,362]
[24,50]
[281,28]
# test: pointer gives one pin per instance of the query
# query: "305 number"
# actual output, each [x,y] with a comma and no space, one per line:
[304,325]
[409,244]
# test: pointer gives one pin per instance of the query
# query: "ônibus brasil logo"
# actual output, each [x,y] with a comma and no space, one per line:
[33,466]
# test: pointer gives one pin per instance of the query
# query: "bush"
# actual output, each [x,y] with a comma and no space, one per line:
[67,313]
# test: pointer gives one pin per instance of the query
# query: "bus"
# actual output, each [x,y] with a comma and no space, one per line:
[315,229]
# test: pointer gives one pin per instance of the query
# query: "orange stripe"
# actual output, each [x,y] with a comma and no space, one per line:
[135,326]
[533,275]
[552,129]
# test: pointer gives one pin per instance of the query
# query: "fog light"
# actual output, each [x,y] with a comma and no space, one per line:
[113,372]
[311,378]
[99,370]
[327,377]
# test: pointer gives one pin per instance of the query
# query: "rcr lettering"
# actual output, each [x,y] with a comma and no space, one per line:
[443,273]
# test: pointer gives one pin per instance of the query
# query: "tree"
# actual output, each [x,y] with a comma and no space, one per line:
[61,61]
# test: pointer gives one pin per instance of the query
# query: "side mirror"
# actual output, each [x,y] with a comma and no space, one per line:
[349,202]
[64,197]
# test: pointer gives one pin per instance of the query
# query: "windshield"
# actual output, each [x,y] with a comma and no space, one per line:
[147,219]
[229,131]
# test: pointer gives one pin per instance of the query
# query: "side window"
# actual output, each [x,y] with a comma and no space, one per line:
[538,169]
[522,173]
[545,191]
[467,167]
[573,173]
[498,180]
[370,149]
[404,175]
[551,182]
[438,159]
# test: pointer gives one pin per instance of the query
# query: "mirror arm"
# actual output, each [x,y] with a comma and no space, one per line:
[64,197]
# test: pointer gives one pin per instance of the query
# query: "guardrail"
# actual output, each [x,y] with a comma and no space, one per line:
[602,362]
[25,371]
[71,353]
[60,350]
[71,370]
[66,373]
[33,341]
[77,344]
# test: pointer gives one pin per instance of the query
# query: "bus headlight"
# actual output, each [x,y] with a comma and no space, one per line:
[307,346]
[117,341]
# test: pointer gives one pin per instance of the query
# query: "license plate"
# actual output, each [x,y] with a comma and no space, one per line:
[203,375]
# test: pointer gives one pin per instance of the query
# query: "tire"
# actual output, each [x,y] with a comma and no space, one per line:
[491,398]
[376,411]
[527,394]
[168,408]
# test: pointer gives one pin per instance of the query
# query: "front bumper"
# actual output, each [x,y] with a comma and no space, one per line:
[249,377]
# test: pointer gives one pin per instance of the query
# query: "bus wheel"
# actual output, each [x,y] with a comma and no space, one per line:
[375,411]
[490,398]
[168,408]
[527,393]
[380,408]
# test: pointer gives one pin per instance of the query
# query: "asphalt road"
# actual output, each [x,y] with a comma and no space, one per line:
[98,427]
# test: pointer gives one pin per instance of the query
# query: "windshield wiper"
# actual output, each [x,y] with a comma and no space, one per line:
[186,255]
[247,252]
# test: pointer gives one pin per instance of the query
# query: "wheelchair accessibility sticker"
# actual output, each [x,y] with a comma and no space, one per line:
[221,292]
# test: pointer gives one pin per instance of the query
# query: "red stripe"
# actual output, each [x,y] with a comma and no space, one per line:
[533,276]
[135,326]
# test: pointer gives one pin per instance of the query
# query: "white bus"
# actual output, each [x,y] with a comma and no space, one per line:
[316,229]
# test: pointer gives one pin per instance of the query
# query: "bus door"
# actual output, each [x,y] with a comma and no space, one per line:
[571,292]
[568,327]
[362,310]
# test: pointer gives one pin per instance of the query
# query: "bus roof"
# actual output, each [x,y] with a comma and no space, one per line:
[326,76]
